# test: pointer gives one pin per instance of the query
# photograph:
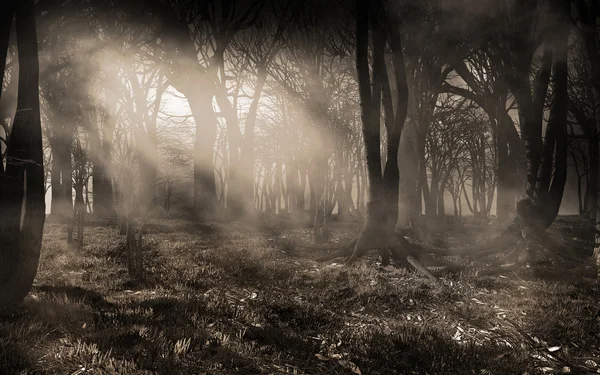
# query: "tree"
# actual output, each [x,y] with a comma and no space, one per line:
[578,154]
[382,208]
[489,91]
[22,180]
[545,153]
[587,15]
[81,175]
[194,55]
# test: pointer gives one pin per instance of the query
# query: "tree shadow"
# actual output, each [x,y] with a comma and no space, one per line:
[75,293]
[12,358]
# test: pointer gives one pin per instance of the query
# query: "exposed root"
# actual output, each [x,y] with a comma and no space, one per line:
[496,245]
[387,243]
[519,245]
[420,252]
[413,262]
[555,247]
[512,255]
[507,267]
[343,252]
[322,248]
[514,242]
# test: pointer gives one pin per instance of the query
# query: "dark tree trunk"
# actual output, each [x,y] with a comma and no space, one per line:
[547,159]
[22,184]
[504,197]
[382,208]
[552,174]
[62,187]
[133,245]
[102,191]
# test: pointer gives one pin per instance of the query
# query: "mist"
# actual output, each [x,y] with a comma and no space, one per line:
[289,186]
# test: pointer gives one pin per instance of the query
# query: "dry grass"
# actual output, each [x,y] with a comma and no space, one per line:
[226,299]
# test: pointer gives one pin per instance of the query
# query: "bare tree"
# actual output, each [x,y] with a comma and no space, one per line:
[382,209]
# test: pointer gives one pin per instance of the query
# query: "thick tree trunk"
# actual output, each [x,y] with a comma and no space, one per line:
[552,174]
[205,191]
[591,42]
[102,191]
[547,159]
[382,209]
[597,188]
[22,184]
[530,111]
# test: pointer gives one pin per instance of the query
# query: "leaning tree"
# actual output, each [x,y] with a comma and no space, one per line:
[21,165]
[513,47]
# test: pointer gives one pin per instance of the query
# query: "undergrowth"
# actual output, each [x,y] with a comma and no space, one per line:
[222,299]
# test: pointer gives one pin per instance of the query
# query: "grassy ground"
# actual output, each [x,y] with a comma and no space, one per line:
[231,299]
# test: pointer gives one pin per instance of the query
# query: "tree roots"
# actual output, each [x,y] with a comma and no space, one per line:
[388,243]
[516,250]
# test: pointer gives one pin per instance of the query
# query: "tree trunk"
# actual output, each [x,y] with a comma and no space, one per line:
[590,11]
[22,185]
[504,198]
[148,168]
[205,191]
[455,205]
[247,151]
[102,160]
[62,196]
[77,221]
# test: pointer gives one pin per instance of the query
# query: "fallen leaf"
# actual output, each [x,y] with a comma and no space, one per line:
[553,348]
[321,357]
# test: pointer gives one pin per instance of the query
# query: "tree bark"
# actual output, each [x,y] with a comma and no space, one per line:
[205,190]
[22,184]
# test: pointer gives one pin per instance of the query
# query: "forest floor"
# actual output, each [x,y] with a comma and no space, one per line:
[231,299]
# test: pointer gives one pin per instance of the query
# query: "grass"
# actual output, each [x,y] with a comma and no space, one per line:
[227,299]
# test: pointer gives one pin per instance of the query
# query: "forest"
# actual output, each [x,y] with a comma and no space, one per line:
[300,186]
